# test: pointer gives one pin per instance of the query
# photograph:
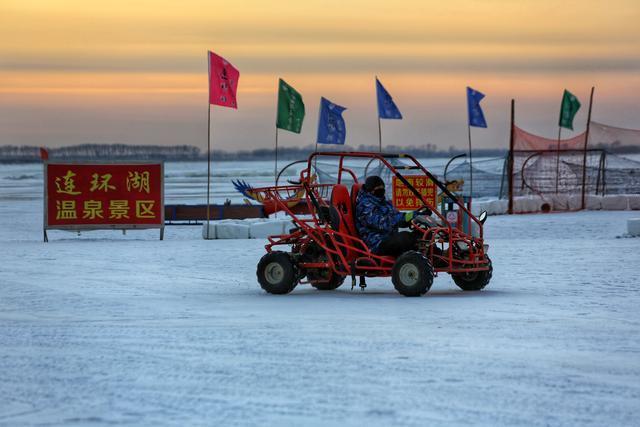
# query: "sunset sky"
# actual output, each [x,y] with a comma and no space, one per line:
[135,72]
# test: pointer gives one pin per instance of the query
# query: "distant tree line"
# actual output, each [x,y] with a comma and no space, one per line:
[83,152]
[179,153]
[618,148]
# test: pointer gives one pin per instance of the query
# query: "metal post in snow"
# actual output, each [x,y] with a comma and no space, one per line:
[208,166]
[275,171]
[584,158]
[511,157]
[558,160]
[470,165]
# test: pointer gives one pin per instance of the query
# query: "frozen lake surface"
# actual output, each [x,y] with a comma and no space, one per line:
[103,328]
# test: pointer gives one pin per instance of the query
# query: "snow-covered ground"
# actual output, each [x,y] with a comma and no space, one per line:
[103,328]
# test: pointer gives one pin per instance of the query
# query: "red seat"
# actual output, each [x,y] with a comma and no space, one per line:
[343,219]
[341,200]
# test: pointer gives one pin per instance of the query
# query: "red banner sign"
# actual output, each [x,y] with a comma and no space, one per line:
[405,199]
[104,195]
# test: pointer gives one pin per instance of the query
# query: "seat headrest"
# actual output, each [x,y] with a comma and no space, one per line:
[340,195]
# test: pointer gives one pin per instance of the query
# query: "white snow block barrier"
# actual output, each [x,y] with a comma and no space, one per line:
[559,202]
[212,230]
[534,204]
[633,227]
[574,202]
[519,205]
[252,220]
[634,201]
[497,207]
[262,230]
[232,230]
[593,203]
[615,202]
[501,207]
[491,207]
[527,204]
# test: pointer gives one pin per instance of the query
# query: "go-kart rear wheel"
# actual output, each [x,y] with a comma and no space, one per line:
[412,274]
[329,280]
[475,280]
[334,282]
[277,273]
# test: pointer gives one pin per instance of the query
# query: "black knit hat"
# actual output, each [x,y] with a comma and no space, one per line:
[372,182]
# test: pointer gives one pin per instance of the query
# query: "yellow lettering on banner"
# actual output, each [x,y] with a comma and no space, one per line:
[398,192]
[410,203]
[118,209]
[66,209]
[66,184]
[138,181]
[92,209]
[144,209]
[101,182]
[420,182]
[400,202]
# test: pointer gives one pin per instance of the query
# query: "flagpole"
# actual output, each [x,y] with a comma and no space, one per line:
[379,135]
[379,126]
[315,159]
[275,168]
[584,157]
[208,164]
[275,171]
[208,139]
[511,159]
[470,164]
[558,160]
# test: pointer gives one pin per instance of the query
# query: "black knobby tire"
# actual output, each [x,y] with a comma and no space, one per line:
[277,274]
[412,274]
[474,281]
[335,280]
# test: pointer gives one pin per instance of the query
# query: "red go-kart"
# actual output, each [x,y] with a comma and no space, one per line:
[324,247]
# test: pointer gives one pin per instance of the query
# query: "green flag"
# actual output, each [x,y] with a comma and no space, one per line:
[290,108]
[568,110]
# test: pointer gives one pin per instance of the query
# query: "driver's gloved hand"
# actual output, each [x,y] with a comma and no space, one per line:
[423,211]
[409,216]
[406,219]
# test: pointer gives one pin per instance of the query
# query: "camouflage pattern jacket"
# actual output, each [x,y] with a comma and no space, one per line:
[376,219]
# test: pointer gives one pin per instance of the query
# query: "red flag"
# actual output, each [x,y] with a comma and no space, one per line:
[44,154]
[223,81]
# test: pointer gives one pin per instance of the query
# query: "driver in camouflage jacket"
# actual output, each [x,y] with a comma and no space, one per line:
[378,221]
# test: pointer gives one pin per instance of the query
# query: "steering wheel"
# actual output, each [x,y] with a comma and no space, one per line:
[423,211]
[425,221]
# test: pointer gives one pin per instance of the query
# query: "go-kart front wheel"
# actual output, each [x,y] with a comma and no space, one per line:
[276,273]
[412,274]
[474,280]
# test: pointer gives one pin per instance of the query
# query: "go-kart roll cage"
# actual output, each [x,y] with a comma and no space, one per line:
[347,254]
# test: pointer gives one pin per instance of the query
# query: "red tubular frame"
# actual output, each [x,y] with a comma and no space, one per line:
[318,230]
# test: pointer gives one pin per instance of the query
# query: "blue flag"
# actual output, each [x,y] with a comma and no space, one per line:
[387,109]
[331,127]
[476,116]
